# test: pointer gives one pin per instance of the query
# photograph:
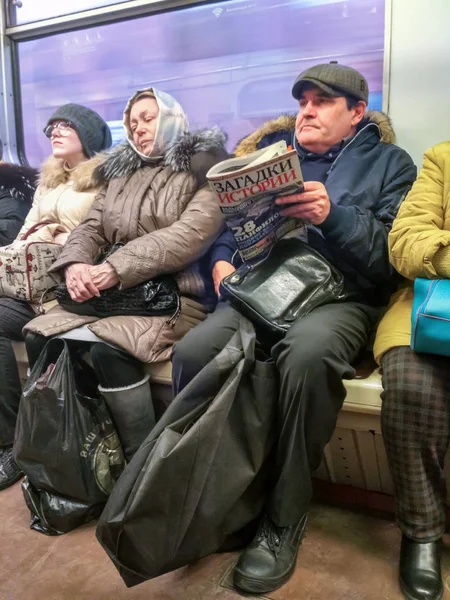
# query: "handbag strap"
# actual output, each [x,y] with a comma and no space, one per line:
[40,309]
[174,318]
[35,228]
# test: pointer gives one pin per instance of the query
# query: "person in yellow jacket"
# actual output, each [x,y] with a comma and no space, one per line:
[415,415]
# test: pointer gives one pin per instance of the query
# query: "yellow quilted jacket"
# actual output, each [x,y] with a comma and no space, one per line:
[419,244]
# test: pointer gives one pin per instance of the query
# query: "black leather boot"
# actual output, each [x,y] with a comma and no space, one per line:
[131,408]
[269,560]
[420,570]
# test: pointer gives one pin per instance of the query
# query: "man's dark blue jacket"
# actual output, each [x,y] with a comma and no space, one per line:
[366,179]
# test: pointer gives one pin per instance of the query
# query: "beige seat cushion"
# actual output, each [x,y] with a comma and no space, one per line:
[20,352]
[160,372]
[22,359]
[363,395]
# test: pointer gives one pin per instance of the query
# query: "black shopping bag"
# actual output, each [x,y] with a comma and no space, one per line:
[65,443]
[198,483]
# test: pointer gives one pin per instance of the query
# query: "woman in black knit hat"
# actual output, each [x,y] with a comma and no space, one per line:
[62,200]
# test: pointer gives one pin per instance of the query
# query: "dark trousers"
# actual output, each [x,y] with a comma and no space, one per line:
[312,360]
[114,368]
[415,421]
[14,315]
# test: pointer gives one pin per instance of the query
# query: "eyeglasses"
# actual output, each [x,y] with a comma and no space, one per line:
[64,128]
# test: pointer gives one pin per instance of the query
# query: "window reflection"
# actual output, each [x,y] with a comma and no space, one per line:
[230,63]
[32,11]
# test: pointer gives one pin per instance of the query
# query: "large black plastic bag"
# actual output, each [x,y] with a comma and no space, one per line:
[198,483]
[65,443]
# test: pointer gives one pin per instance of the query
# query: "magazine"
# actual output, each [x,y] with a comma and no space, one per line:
[246,189]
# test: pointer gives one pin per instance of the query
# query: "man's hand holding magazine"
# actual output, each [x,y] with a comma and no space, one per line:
[312,205]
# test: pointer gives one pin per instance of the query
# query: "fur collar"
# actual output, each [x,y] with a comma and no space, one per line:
[183,155]
[19,182]
[53,173]
[287,122]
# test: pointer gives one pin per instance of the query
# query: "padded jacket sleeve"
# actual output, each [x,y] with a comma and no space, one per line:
[171,248]
[360,235]
[418,243]
[86,240]
[33,216]
[224,248]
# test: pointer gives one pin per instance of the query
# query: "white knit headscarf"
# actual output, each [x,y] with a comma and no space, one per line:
[172,123]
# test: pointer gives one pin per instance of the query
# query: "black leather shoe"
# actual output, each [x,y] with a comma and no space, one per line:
[9,471]
[269,560]
[420,570]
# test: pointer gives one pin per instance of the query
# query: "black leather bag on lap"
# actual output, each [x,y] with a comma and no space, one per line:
[291,282]
[158,296]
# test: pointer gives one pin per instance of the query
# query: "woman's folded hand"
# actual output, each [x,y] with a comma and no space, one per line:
[104,276]
[80,284]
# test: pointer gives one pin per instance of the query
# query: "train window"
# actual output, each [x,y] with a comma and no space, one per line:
[30,11]
[228,63]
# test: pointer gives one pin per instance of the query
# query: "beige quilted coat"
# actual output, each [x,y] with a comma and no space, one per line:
[64,197]
[167,217]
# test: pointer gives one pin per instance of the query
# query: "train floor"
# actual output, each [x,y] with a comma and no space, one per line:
[346,555]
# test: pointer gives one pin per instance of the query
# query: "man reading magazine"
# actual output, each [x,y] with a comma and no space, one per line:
[246,189]
[355,179]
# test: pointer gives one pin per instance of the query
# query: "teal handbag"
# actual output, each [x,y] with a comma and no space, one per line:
[430,317]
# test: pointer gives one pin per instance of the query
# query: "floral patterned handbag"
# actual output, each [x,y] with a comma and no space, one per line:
[24,268]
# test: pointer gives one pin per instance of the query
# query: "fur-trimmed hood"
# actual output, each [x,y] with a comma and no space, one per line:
[18,181]
[54,173]
[194,152]
[287,122]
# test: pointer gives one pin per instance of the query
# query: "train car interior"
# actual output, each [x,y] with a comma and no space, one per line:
[232,64]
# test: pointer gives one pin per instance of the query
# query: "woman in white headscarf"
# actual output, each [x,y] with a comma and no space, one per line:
[156,203]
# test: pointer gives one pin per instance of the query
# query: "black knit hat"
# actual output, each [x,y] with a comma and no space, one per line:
[92,130]
[333,79]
